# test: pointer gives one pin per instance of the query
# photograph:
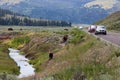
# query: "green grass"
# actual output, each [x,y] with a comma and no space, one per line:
[77,36]
[17,41]
[5,76]
[39,61]
[6,63]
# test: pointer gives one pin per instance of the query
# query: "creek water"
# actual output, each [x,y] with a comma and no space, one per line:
[26,69]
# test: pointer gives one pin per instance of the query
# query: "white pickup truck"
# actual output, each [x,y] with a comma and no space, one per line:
[100,30]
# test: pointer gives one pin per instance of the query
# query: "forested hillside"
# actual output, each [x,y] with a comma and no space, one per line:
[9,18]
[75,11]
[112,22]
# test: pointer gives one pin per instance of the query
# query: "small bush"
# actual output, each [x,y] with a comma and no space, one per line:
[98,39]
[3,48]
[5,76]
[79,76]
[117,53]
[20,40]
[77,36]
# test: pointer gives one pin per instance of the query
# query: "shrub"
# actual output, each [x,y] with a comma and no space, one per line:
[117,53]
[20,40]
[3,48]
[5,76]
[77,36]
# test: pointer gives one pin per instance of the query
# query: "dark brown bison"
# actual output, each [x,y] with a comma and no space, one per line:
[10,29]
[65,38]
[66,29]
[50,56]
[21,29]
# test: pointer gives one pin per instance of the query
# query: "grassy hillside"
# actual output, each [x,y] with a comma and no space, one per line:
[6,63]
[82,57]
[20,40]
[112,22]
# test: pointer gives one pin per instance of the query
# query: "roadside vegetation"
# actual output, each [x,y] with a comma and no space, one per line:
[82,57]
[88,60]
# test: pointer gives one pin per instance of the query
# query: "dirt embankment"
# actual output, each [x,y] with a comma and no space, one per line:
[42,44]
[8,35]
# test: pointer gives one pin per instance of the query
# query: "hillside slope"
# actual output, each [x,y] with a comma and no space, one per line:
[112,21]
[82,57]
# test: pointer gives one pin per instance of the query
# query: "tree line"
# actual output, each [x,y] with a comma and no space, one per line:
[22,20]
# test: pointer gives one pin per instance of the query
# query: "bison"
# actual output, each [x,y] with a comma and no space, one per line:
[10,29]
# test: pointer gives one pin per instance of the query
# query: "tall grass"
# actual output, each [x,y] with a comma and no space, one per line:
[6,63]
[117,53]
[77,36]
[5,76]
[17,41]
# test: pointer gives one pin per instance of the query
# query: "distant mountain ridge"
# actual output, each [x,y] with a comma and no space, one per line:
[10,18]
[76,11]
[10,2]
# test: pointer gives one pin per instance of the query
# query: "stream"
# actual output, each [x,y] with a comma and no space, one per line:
[25,68]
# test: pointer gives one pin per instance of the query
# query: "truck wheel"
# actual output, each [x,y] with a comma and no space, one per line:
[105,33]
[96,33]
